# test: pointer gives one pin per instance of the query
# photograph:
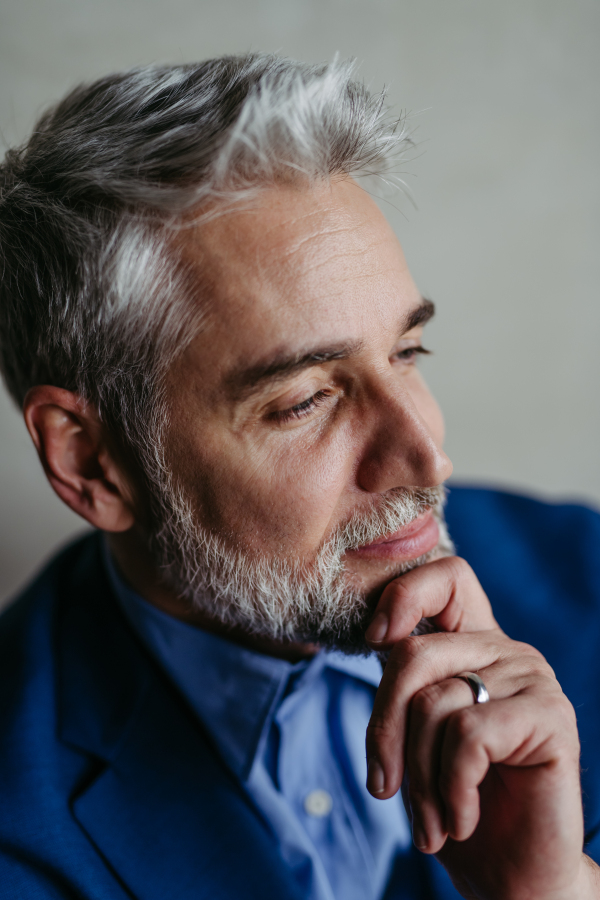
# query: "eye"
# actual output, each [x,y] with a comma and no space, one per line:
[300,410]
[410,354]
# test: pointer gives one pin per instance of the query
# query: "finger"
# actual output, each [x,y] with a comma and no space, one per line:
[419,661]
[535,728]
[429,711]
[446,591]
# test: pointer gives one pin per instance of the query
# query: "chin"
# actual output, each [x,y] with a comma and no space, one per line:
[349,636]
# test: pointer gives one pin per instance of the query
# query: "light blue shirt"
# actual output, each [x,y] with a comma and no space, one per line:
[294,736]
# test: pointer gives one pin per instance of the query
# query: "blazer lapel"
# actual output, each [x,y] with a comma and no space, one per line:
[159,805]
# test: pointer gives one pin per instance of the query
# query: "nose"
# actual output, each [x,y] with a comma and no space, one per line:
[403,442]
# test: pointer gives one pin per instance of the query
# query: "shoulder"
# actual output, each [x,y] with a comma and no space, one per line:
[28,624]
[29,637]
[539,564]
[34,764]
[531,556]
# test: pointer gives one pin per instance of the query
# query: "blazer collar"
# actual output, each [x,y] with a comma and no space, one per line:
[159,805]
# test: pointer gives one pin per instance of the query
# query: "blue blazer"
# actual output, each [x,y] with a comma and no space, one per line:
[109,787]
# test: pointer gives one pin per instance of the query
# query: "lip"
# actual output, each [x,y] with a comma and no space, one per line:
[413,540]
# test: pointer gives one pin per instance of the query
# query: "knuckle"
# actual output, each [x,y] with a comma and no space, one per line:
[459,568]
[427,700]
[463,725]
[398,592]
[412,649]
[536,659]
[565,735]
[540,685]
[528,654]
[462,567]
[567,712]
[379,729]
[526,660]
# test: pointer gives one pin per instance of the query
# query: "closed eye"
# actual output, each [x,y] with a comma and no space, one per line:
[410,354]
[300,410]
[308,406]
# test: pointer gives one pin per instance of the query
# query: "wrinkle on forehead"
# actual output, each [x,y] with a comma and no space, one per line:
[285,221]
[293,246]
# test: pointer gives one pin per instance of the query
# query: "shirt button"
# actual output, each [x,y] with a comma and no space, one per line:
[318,804]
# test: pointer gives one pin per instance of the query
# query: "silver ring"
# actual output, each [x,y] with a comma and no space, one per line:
[480,692]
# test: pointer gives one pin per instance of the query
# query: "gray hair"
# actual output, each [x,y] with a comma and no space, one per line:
[93,297]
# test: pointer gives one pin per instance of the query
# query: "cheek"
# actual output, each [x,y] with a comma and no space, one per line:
[276,498]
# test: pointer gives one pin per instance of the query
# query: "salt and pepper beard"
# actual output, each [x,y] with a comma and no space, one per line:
[281,599]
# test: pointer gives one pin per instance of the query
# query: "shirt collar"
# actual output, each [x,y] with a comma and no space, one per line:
[234,691]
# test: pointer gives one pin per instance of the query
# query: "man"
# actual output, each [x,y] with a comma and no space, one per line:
[213,334]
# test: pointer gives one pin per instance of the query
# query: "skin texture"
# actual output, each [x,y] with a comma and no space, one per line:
[493,789]
[290,278]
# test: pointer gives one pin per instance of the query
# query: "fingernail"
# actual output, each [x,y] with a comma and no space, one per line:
[375,778]
[377,630]
[419,836]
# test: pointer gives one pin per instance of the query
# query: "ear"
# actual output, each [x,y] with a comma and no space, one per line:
[74,451]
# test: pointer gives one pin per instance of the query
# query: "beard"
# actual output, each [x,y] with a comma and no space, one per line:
[288,601]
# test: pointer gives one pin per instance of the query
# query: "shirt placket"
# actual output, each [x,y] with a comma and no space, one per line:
[308,777]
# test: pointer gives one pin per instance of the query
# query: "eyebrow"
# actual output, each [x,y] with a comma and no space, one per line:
[418,316]
[244,383]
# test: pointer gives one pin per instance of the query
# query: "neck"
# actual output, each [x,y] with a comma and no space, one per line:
[139,570]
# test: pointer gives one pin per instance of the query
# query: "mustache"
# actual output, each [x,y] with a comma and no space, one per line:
[397,508]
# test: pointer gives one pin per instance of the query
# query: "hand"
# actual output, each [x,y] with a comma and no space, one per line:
[492,789]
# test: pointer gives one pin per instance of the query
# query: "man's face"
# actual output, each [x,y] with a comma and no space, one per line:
[299,405]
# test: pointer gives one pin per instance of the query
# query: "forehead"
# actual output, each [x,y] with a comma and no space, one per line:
[301,265]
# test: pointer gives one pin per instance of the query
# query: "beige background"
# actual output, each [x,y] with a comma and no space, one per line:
[505,238]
